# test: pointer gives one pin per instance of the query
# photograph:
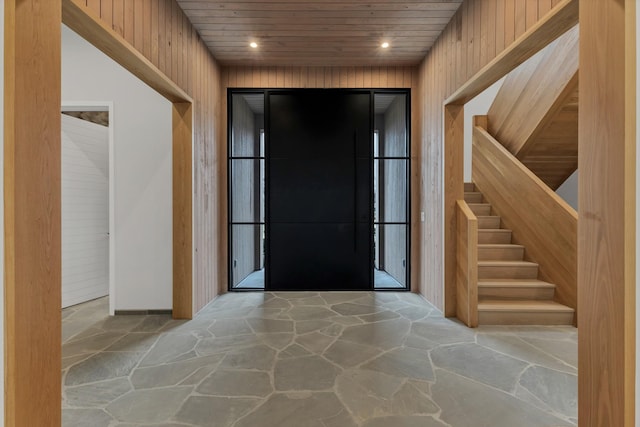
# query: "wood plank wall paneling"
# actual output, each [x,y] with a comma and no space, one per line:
[439,79]
[32,274]
[161,33]
[319,77]
[544,223]
[339,77]
[607,263]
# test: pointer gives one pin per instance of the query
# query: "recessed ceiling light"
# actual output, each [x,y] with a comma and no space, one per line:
[385,45]
[253,45]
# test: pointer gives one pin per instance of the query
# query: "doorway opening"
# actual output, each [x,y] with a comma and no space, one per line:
[87,202]
[318,189]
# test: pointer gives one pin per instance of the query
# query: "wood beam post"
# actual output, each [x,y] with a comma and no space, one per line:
[453,191]
[182,211]
[607,217]
[32,277]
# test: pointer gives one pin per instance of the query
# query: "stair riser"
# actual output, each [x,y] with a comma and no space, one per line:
[507,272]
[473,197]
[508,293]
[481,210]
[469,187]
[501,254]
[520,318]
[489,222]
[501,237]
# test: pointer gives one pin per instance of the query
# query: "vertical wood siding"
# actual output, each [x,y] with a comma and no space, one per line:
[319,77]
[478,32]
[162,33]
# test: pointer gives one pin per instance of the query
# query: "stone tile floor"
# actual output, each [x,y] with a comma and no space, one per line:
[313,360]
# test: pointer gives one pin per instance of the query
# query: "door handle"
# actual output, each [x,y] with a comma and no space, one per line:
[355,190]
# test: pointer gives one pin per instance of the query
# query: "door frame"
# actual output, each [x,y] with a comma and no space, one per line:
[104,106]
[408,219]
[229,159]
[267,91]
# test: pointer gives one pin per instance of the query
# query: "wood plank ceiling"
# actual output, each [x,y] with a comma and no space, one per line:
[319,33]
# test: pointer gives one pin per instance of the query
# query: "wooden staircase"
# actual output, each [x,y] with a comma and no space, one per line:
[535,113]
[509,292]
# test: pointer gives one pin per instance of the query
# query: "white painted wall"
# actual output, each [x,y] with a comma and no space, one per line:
[569,190]
[85,210]
[478,106]
[142,167]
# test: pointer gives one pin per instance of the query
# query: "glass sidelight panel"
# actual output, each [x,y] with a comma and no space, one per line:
[390,190]
[247,120]
[246,174]
[247,256]
[391,125]
[247,190]
[390,256]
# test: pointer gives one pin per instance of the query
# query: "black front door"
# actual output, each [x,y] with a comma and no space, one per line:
[319,186]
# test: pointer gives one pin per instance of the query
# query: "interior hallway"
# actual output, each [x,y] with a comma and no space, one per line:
[313,360]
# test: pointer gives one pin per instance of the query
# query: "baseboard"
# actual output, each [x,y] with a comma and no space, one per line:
[141,312]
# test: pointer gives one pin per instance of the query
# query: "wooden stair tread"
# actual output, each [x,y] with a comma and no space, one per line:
[522,283]
[509,263]
[494,230]
[499,246]
[522,306]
